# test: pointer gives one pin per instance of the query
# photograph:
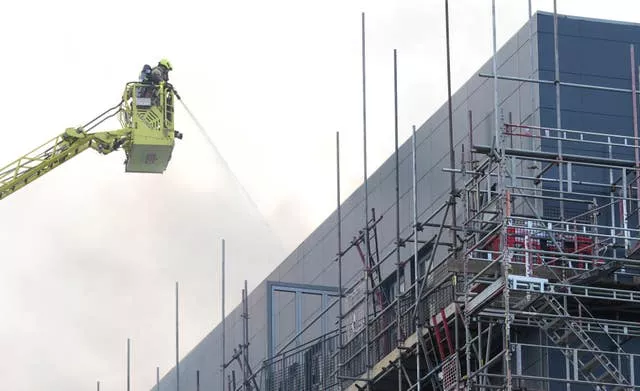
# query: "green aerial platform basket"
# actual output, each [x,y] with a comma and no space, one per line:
[149,114]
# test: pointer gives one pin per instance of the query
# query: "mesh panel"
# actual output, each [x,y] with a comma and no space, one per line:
[308,368]
[449,372]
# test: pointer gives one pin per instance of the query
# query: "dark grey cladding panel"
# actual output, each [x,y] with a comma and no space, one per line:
[591,52]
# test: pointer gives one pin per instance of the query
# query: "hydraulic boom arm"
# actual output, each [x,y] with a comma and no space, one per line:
[53,153]
[147,137]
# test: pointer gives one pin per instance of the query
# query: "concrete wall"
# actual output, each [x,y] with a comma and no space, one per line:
[312,263]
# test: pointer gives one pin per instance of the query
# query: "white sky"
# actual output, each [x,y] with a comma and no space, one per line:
[90,255]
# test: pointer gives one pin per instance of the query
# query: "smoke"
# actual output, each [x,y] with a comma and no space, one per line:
[102,266]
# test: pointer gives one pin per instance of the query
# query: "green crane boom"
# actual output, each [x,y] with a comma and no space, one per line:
[147,136]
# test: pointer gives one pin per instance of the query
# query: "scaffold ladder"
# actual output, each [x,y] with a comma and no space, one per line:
[586,346]
[438,335]
[371,262]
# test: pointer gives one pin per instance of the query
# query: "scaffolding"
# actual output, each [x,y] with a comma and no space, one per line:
[544,268]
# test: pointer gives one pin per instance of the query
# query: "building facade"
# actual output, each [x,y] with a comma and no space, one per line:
[293,338]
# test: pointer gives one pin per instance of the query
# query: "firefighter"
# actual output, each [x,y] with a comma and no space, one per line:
[145,78]
[160,73]
[145,74]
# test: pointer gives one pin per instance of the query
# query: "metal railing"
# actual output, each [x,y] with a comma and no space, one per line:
[308,367]
[382,329]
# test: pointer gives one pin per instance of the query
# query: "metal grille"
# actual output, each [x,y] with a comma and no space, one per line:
[450,372]
[150,118]
[308,368]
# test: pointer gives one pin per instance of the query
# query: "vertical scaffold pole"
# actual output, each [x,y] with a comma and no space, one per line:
[496,123]
[536,201]
[453,191]
[556,56]
[224,345]
[339,223]
[416,272]
[465,263]
[452,154]
[128,364]
[245,337]
[531,62]
[398,260]
[634,102]
[366,207]
[177,342]
[504,210]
